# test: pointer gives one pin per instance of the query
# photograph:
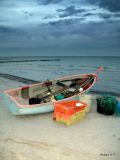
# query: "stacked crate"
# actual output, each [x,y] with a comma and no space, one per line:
[69,112]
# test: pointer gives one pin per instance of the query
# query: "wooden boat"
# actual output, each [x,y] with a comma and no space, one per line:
[40,98]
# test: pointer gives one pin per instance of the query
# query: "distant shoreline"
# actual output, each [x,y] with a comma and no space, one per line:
[58,56]
[30,81]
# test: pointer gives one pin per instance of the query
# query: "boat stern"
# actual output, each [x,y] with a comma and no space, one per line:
[13,107]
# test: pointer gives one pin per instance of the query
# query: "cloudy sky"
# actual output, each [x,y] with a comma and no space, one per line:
[59,27]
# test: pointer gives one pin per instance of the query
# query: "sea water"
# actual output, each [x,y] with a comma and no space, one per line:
[42,68]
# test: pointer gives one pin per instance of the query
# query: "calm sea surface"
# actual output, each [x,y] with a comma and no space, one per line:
[42,68]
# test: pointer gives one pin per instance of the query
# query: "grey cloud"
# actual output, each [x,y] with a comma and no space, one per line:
[69,34]
[46,2]
[87,32]
[10,36]
[97,34]
[4,29]
[66,22]
[89,14]
[63,33]
[58,34]
[25,12]
[31,14]
[117,15]
[70,11]
[9,30]
[49,17]
[105,15]
[61,22]
[110,5]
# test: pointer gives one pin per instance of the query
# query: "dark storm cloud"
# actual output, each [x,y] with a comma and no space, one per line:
[66,22]
[59,25]
[89,14]
[9,37]
[4,29]
[49,17]
[90,35]
[110,5]
[117,15]
[70,11]
[46,2]
[105,15]
[8,30]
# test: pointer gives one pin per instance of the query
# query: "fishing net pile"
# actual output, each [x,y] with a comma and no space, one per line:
[106,104]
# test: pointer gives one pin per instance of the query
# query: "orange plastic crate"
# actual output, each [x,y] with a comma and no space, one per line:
[71,119]
[69,107]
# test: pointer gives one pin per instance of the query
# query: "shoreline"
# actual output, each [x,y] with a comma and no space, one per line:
[30,81]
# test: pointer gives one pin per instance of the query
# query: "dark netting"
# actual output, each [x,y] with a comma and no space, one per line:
[106,104]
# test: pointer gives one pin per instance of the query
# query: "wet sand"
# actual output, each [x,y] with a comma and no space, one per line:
[38,137]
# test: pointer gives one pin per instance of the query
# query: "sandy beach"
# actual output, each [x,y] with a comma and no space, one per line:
[38,137]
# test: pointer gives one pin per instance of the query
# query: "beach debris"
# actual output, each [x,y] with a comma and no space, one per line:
[106,104]
[86,98]
[117,110]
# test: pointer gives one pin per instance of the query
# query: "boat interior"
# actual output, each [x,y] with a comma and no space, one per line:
[47,91]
